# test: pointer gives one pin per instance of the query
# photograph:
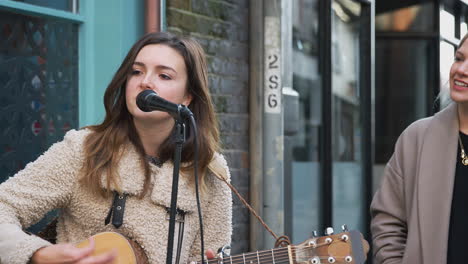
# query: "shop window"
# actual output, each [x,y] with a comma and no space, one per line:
[404,82]
[39,82]
[447,25]
[415,18]
[347,126]
[405,72]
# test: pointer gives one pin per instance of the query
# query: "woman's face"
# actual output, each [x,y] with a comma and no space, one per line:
[459,75]
[162,69]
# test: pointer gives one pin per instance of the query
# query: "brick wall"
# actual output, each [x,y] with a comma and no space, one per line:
[221,26]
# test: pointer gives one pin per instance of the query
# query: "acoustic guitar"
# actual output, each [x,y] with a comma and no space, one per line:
[342,248]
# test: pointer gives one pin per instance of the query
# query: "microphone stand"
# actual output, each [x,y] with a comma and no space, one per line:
[179,141]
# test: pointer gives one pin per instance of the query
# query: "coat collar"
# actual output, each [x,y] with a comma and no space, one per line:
[435,183]
[131,180]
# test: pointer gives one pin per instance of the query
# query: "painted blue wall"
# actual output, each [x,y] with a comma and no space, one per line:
[109,30]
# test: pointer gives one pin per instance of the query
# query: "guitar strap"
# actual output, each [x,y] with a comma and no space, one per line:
[281,241]
[116,212]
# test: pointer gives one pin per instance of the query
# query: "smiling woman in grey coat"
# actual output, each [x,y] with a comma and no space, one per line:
[419,213]
[117,176]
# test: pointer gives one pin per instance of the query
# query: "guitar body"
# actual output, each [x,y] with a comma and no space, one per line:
[107,241]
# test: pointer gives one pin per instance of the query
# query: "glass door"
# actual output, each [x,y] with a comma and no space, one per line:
[328,160]
[302,144]
[348,99]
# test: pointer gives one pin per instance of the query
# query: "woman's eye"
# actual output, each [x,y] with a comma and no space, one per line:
[165,76]
[458,58]
[136,72]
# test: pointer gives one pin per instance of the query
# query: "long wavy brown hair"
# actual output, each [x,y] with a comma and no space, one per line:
[103,146]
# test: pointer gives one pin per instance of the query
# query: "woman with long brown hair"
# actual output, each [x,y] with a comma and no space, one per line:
[117,176]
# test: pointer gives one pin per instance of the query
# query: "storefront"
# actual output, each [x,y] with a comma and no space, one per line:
[311,94]
[328,156]
[56,59]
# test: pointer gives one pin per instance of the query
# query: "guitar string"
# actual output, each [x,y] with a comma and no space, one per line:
[281,254]
[278,254]
[276,259]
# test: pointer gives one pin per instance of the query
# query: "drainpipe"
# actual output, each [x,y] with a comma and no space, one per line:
[256,121]
[273,135]
[152,16]
[266,122]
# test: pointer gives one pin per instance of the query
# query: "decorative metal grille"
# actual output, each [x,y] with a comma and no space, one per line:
[39,84]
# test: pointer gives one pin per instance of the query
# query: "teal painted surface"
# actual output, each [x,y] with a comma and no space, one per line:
[110,29]
[163,15]
[28,9]
[87,109]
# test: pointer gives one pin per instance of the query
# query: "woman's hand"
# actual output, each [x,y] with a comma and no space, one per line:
[210,254]
[68,253]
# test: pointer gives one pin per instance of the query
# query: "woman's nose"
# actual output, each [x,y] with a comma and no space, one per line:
[147,82]
[463,69]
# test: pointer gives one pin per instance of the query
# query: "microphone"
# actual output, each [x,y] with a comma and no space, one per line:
[149,101]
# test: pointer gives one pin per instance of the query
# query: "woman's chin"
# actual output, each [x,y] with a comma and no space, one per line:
[154,116]
[459,98]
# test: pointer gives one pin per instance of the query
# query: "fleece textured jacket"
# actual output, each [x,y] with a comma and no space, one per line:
[52,182]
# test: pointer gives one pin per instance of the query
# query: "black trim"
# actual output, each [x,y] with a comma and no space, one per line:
[364,2]
[406,35]
[436,68]
[457,15]
[367,145]
[325,68]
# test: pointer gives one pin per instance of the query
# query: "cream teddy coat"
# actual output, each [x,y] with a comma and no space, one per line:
[52,182]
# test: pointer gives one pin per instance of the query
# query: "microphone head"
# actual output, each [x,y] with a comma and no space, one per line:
[142,100]
[149,101]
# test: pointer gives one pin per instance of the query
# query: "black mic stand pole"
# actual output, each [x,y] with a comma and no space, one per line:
[179,141]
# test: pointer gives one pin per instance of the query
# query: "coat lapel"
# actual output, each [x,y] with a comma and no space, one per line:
[435,183]
[162,190]
[130,174]
[131,180]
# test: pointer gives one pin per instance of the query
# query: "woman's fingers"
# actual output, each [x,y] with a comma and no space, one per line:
[62,254]
[69,254]
[106,258]
[76,254]
[210,254]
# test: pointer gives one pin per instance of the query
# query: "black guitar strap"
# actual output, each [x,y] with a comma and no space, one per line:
[116,212]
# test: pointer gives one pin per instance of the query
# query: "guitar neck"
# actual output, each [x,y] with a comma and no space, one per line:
[275,256]
[342,248]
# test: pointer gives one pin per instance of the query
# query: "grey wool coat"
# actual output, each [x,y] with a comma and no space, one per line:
[52,182]
[411,210]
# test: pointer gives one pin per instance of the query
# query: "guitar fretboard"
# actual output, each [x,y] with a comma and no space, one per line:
[275,256]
